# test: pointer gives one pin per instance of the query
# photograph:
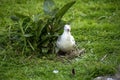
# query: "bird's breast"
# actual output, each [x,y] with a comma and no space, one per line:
[66,44]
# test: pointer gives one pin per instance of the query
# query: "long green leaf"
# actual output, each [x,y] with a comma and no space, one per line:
[63,10]
[27,35]
[31,45]
[42,27]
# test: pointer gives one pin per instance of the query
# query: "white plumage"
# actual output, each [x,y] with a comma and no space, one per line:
[66,41]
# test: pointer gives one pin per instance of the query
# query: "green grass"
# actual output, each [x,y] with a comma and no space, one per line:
[95,26]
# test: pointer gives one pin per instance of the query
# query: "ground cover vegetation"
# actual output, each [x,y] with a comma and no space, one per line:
[23,53]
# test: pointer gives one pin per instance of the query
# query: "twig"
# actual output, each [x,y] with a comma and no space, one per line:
[104,57]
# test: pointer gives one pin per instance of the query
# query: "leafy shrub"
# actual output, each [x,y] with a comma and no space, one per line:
[37,34]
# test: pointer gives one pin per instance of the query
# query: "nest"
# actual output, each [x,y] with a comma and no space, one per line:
[71,54]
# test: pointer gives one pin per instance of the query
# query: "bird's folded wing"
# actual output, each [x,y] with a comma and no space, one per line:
[73,40]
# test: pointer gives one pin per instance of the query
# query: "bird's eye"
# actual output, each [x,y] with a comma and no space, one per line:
[68,29]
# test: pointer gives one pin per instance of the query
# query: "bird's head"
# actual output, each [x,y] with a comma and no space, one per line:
[67,28]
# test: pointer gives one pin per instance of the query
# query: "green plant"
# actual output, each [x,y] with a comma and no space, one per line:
[38,33]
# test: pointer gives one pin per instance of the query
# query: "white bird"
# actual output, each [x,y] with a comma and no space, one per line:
[66,41]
